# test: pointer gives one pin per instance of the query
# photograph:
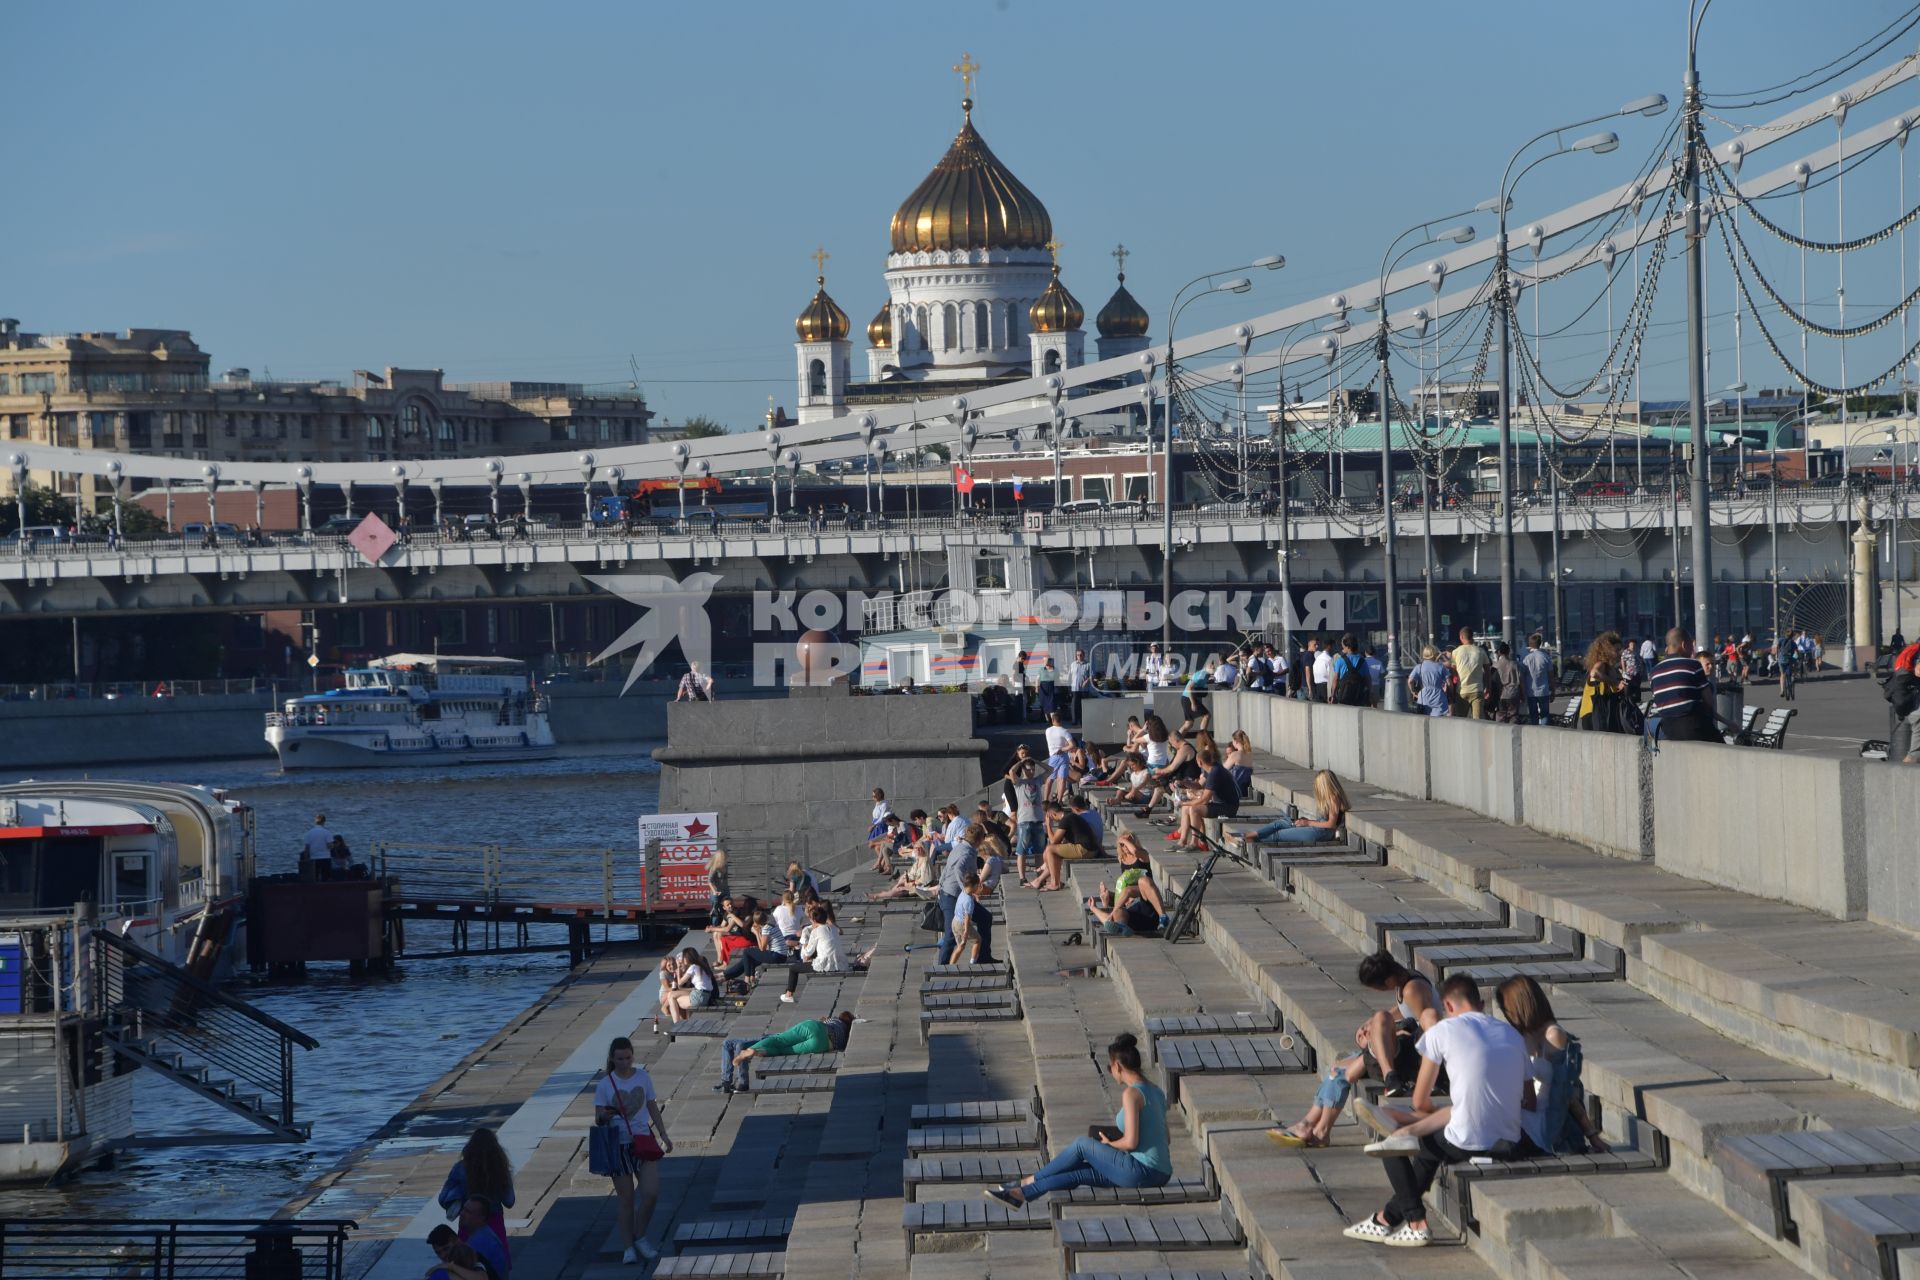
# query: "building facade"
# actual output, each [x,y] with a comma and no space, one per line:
[150,391]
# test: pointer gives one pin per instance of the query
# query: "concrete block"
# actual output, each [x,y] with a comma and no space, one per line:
[1475,764]
[1584,787]
[1891,804]
[1395,753]
[1513,1211]
[1335,741]
[1783,826]
[1292,731]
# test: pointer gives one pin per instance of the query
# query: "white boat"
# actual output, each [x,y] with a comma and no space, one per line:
[416,709]
[92,873]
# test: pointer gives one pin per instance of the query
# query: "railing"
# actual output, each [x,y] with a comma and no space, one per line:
[114,690]
[168,1249]
[147,999]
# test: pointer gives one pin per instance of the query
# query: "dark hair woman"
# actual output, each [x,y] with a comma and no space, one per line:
[1134,1152]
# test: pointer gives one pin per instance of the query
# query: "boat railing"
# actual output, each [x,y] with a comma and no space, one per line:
[173,1249]
[51,982]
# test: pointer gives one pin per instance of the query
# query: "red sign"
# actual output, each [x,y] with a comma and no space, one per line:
[686,842]
[37,833]
[963,479]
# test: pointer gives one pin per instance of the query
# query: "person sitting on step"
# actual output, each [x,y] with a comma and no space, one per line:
[1134,906]
[1331,799]
[1134,1152]
[812,1035]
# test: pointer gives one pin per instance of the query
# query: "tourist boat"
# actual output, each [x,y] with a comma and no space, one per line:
[416,709]
[98,879]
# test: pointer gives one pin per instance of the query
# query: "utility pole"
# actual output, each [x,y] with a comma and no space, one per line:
[1696,341]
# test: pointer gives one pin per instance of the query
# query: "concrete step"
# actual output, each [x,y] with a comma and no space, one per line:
[1163,1273]
[790,1082]
[1359,904]
[797,1064]
[965,970]
[972,1000]
[971,982]
[1439,962]
[1546,972]
[975,1216]
[972,1170]
[1759,1168]
[1404,943]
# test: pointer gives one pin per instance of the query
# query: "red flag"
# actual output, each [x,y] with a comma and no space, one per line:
[963,480]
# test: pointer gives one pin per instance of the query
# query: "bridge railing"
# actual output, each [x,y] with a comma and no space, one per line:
[114,690]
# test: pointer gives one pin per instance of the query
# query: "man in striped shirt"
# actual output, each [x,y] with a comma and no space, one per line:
[1682,696]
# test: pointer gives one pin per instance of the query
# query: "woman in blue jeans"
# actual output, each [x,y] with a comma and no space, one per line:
[1332,799]
[1138,1157]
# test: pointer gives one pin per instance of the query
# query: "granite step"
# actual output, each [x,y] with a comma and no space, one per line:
[979,1215]
[1854,1228]
[1357,904]
[1405,942]
[1440,962]
[1759,1168]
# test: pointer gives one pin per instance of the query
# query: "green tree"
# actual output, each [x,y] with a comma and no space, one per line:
[701,427]
[44,506]
[135,520]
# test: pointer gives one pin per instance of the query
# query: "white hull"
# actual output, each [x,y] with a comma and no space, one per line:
[316,748]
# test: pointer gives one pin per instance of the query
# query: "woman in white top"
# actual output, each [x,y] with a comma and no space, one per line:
[625,1099]
[786,918]
[697,986]
[820,950]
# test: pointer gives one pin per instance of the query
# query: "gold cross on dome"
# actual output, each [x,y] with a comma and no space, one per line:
[1054,247]
[966,68]
[1120,255]
[820,256]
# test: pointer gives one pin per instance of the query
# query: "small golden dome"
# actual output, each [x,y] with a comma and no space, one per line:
[970,201]
[823,320]
[880,328]
[1056,310]
[1123,316]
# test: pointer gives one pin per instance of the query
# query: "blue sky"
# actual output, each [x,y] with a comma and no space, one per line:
[544,191]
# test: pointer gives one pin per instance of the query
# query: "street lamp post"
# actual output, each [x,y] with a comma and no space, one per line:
[1599,144]
[1395,694]
[1280,482]
[1272,262]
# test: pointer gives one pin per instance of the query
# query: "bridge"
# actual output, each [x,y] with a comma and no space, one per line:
[1799,533]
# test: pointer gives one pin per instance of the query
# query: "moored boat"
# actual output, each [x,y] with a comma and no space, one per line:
[416,709]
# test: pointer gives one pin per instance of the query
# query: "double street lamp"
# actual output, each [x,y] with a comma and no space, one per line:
[1395,694]
[1598,144]
[1272,262]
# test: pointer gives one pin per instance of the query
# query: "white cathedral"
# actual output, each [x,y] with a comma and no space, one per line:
[974,295]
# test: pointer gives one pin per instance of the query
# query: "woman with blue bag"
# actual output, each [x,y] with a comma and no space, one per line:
[484,1171]
[627,1143]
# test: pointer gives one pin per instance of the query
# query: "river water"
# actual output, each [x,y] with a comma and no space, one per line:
[382,1040]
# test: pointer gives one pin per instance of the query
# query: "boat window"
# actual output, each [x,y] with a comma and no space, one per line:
[130,878]
[16,874]
[69,872]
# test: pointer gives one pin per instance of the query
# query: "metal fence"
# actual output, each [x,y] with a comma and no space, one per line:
[167,1249]
[116,690]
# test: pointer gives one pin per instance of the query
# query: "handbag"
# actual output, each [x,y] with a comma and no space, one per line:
[931,921]
[646,1147]
[603,1151]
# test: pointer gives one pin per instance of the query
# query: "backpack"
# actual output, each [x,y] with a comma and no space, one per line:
[1351,685]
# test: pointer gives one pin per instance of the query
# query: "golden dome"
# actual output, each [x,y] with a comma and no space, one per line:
[1056,310]
[880,328]
[823,320]
[1123,316]
[970,201]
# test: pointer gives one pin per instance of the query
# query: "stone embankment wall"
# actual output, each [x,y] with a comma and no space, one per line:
[85,732]
[1837,836]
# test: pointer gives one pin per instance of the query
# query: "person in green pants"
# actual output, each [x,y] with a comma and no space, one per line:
[813,1035]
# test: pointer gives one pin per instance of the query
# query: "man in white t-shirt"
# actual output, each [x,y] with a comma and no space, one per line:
[1323,673]
[1647,653]
[1080,682]
[1486,1065]
[1059,758]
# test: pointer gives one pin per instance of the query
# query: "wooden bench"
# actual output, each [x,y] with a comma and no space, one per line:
[1000,1111]
[1179,1191]
[789,1082]
[1229,1055]
[931,1018]
[1772,734]
[972,1000]
[1757,1167]
[935,1217]
[937,1139]
[975,982]
[1211,1024]
[732,1231]
[722,1265]
[707,1026]
[977,1171]
[1145,1235]
[1161,1273]
[795,1064]
[1739,737]
[965,970]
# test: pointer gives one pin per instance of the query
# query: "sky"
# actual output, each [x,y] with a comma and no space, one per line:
[575,190]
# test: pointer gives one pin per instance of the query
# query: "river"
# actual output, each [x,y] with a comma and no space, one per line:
[382,1040]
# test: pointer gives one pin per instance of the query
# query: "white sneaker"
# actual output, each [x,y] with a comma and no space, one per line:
[1370,1229]
[630,1257]
[1408,1236]
[786,997]
[1399,1144]
[650,1252]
